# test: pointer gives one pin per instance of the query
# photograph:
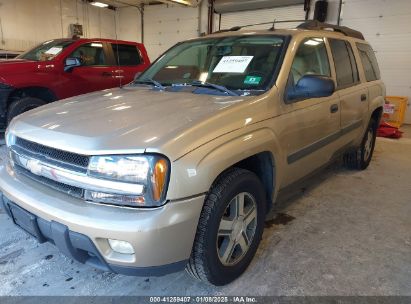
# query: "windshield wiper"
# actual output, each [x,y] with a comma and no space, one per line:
[214,86]
[151,81]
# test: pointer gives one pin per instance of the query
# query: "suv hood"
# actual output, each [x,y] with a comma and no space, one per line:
[131,120]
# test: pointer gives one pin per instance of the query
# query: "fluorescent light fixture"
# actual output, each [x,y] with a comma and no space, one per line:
[184,2]
[99,45]
[99,4]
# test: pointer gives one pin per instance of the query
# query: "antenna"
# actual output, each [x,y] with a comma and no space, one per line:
[273,27]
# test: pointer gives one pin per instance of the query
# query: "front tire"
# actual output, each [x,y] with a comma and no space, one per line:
[230,228]
[361,157]
[22,105]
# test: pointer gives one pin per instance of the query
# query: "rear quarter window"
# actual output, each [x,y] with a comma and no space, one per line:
[345,65]
[369,62]
[126,54]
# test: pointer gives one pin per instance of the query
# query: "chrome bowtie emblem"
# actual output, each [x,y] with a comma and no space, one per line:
[34,166]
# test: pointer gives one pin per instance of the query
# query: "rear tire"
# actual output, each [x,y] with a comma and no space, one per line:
[360,158]
[22,105]
[230,228]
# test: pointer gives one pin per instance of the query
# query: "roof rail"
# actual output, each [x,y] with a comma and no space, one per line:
[316,25]
[237,28]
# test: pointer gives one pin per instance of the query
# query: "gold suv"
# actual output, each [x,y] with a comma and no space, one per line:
[179,168]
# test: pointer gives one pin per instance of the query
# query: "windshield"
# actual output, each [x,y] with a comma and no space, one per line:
[46,51]
[235,63]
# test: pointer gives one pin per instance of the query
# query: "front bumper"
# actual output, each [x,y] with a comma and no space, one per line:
[162,238]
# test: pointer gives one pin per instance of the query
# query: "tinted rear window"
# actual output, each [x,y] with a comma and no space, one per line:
[369,62]
[345,65]
[126,54]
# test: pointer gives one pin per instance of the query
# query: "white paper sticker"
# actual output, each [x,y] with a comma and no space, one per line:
[233,64]
[54,50]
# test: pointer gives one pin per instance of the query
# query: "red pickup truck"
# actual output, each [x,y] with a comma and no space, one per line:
[62,68]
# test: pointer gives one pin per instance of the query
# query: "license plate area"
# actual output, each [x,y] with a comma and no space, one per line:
[26,221]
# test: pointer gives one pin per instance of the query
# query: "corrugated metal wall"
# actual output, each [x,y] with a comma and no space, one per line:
[228,6]
[165,25]
[386,25]
[26,23]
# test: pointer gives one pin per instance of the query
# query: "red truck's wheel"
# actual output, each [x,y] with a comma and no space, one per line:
[22,105]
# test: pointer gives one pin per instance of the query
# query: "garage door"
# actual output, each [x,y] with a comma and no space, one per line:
[166,25]
[385,24]
[294,12]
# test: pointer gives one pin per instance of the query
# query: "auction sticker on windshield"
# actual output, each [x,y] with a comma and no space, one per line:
[233,64]
[54,50]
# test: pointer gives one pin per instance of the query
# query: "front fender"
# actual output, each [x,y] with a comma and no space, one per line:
[195,172]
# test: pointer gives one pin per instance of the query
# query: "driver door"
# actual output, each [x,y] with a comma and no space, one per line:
[96,73]
[309,127]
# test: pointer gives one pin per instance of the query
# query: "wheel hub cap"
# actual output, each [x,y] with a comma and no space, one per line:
[237,229]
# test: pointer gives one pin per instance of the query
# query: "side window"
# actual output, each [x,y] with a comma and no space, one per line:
[369,62]
[311,59]
[126,54]
[345,65]
[90,54]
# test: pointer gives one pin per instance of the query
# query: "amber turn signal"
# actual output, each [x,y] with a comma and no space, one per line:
[158,179]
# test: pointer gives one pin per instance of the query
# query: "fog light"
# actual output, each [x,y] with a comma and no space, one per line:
[121,246]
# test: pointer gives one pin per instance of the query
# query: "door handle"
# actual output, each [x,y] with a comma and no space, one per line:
[334,108]
[363,97]
[106,74]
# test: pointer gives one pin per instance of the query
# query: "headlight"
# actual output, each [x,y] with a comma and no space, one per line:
[9,138]
[149,171]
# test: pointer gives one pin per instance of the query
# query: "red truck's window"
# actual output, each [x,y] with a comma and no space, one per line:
[90,54]
[126,54]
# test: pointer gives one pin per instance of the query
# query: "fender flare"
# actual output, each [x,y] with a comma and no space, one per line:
[194,173]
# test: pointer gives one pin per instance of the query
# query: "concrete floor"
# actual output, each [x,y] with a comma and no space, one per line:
[346,233]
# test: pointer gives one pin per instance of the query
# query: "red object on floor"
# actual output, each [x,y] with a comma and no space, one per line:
[386,130]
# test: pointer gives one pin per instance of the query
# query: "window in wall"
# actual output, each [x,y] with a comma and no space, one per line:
[90,54]
[126,54]
[369,62]
[310,59]
[345,65]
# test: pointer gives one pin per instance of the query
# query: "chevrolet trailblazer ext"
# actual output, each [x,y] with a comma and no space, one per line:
[179,169]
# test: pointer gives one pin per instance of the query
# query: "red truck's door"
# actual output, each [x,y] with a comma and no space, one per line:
[130,61]
[97,71]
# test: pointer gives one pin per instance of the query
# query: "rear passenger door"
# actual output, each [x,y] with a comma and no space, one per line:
[129,61]
[353,94]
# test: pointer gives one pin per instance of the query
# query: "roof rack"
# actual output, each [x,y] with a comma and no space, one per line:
[316,25]
[237,28]
[306,25]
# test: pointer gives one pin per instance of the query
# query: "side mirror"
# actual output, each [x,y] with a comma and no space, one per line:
[311,86]
[137,75]
[71,63]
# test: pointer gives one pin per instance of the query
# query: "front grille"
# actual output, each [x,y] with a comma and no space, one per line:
[61,159]
[73,191]
[63,156]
